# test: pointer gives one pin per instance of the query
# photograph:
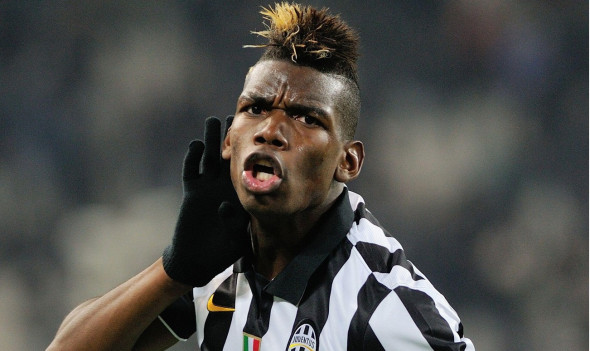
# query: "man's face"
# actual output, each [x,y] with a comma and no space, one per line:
[284,142]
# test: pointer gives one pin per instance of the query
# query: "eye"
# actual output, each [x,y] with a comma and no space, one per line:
[308,120]
[255,109]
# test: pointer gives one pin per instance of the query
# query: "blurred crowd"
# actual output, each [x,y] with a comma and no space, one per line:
[474,119]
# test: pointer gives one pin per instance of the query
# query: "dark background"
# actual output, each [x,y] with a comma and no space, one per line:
[475,123]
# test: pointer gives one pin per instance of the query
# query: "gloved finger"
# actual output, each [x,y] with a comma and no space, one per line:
[228,121]
[192,160]
[212,145]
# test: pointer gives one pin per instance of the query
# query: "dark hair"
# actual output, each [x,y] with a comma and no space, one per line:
[314,38]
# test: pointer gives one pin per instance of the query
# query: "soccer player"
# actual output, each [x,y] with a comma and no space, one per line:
[271,250]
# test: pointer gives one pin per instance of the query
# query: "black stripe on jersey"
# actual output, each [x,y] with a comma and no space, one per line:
[371,341]
[379,259]
[314,304]
[369,297]
[259,313]
[217,323]
[362,212]
[460,331]
[433,326]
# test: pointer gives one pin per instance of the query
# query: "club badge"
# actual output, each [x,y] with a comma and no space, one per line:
[305,337]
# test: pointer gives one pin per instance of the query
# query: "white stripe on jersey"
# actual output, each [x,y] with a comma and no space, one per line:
[235,337]
[201,296]
[282,317]
[399,333]
[400,276]
[343,301]
[367,232]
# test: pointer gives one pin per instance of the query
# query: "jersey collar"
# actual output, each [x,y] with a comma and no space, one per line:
[331,229]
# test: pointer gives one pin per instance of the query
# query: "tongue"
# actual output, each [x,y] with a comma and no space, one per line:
[260,182]
[262,176]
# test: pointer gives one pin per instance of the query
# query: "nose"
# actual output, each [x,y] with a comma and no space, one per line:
[273,129]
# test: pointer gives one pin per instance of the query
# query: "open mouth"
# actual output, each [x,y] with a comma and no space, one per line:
[263,167]
[262,173]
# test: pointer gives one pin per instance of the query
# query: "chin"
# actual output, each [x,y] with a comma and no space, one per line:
[261,206]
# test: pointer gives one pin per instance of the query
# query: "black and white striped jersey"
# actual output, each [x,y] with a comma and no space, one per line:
[351,288]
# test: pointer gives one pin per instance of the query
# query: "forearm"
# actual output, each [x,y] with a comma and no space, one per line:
[116,320]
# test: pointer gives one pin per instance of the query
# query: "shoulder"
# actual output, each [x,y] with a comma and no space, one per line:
[376,246]
[407,309]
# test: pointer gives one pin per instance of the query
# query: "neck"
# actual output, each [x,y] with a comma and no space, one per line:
[277,240]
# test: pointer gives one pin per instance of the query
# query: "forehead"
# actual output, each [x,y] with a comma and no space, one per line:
[272,79]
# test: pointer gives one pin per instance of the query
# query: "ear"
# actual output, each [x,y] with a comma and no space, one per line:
[226,146]
[351,162]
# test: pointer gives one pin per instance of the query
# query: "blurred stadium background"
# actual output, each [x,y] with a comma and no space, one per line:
[475,120]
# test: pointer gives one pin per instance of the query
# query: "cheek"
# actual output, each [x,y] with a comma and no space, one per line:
[319,164]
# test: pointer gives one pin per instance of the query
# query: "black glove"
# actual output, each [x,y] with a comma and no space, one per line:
[211,232]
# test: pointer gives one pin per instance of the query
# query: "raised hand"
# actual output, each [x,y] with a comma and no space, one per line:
[211,232]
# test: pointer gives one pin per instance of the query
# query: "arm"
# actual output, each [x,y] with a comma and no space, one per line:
[211,233]
[118,319]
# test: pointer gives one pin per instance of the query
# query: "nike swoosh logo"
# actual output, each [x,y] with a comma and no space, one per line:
[211,307]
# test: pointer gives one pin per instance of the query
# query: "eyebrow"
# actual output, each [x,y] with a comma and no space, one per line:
[289,107]
[255,99]
[296,108]
[292,108]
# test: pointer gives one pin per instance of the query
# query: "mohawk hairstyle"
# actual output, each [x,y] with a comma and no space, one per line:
[310,37]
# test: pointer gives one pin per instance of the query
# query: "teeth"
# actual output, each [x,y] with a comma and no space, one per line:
[263,176]
[263,170]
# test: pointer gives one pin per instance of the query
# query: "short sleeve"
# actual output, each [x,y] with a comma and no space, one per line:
[180,318]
